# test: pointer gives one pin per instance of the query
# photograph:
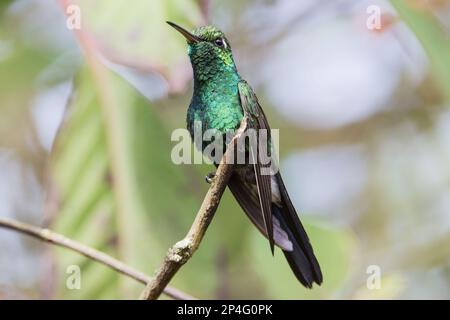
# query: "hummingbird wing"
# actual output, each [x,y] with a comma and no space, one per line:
[249,202]
[287,230]
[257,120]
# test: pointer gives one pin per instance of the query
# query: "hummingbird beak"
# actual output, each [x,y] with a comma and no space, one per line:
[189,36]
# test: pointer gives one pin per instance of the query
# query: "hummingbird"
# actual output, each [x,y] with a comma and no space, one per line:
[220,100]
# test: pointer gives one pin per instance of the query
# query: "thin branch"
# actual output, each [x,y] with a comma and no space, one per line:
[93,254]
[183,250]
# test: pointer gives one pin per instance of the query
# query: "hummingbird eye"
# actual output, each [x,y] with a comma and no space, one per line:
[220,43]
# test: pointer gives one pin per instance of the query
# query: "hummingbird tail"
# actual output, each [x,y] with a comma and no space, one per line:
[289,234]
[301,259]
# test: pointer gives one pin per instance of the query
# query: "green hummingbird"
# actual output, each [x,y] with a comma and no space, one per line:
[220,100]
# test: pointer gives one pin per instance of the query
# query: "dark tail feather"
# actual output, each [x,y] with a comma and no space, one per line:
[301,259]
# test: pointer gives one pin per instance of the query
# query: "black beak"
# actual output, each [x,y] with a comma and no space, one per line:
[189,36]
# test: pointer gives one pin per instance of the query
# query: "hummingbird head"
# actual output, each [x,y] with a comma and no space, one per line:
[209,51]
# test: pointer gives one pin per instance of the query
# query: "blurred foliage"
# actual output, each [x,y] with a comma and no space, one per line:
[16,70]
[434,39]
[140,38]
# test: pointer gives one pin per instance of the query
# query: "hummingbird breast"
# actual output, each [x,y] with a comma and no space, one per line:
[215,106]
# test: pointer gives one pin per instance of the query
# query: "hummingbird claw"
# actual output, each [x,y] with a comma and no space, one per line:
[210,177]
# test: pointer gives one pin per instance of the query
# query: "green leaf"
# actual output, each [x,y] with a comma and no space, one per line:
[433,38]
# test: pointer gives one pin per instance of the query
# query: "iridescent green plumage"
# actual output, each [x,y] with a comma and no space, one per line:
[219,102]
[215,101]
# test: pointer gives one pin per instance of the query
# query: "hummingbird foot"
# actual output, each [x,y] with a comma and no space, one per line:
[210,177]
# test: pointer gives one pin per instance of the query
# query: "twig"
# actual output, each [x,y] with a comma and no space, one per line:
[183,250]
[91,253]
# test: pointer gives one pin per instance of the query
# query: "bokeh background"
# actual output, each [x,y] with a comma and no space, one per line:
[85,123]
